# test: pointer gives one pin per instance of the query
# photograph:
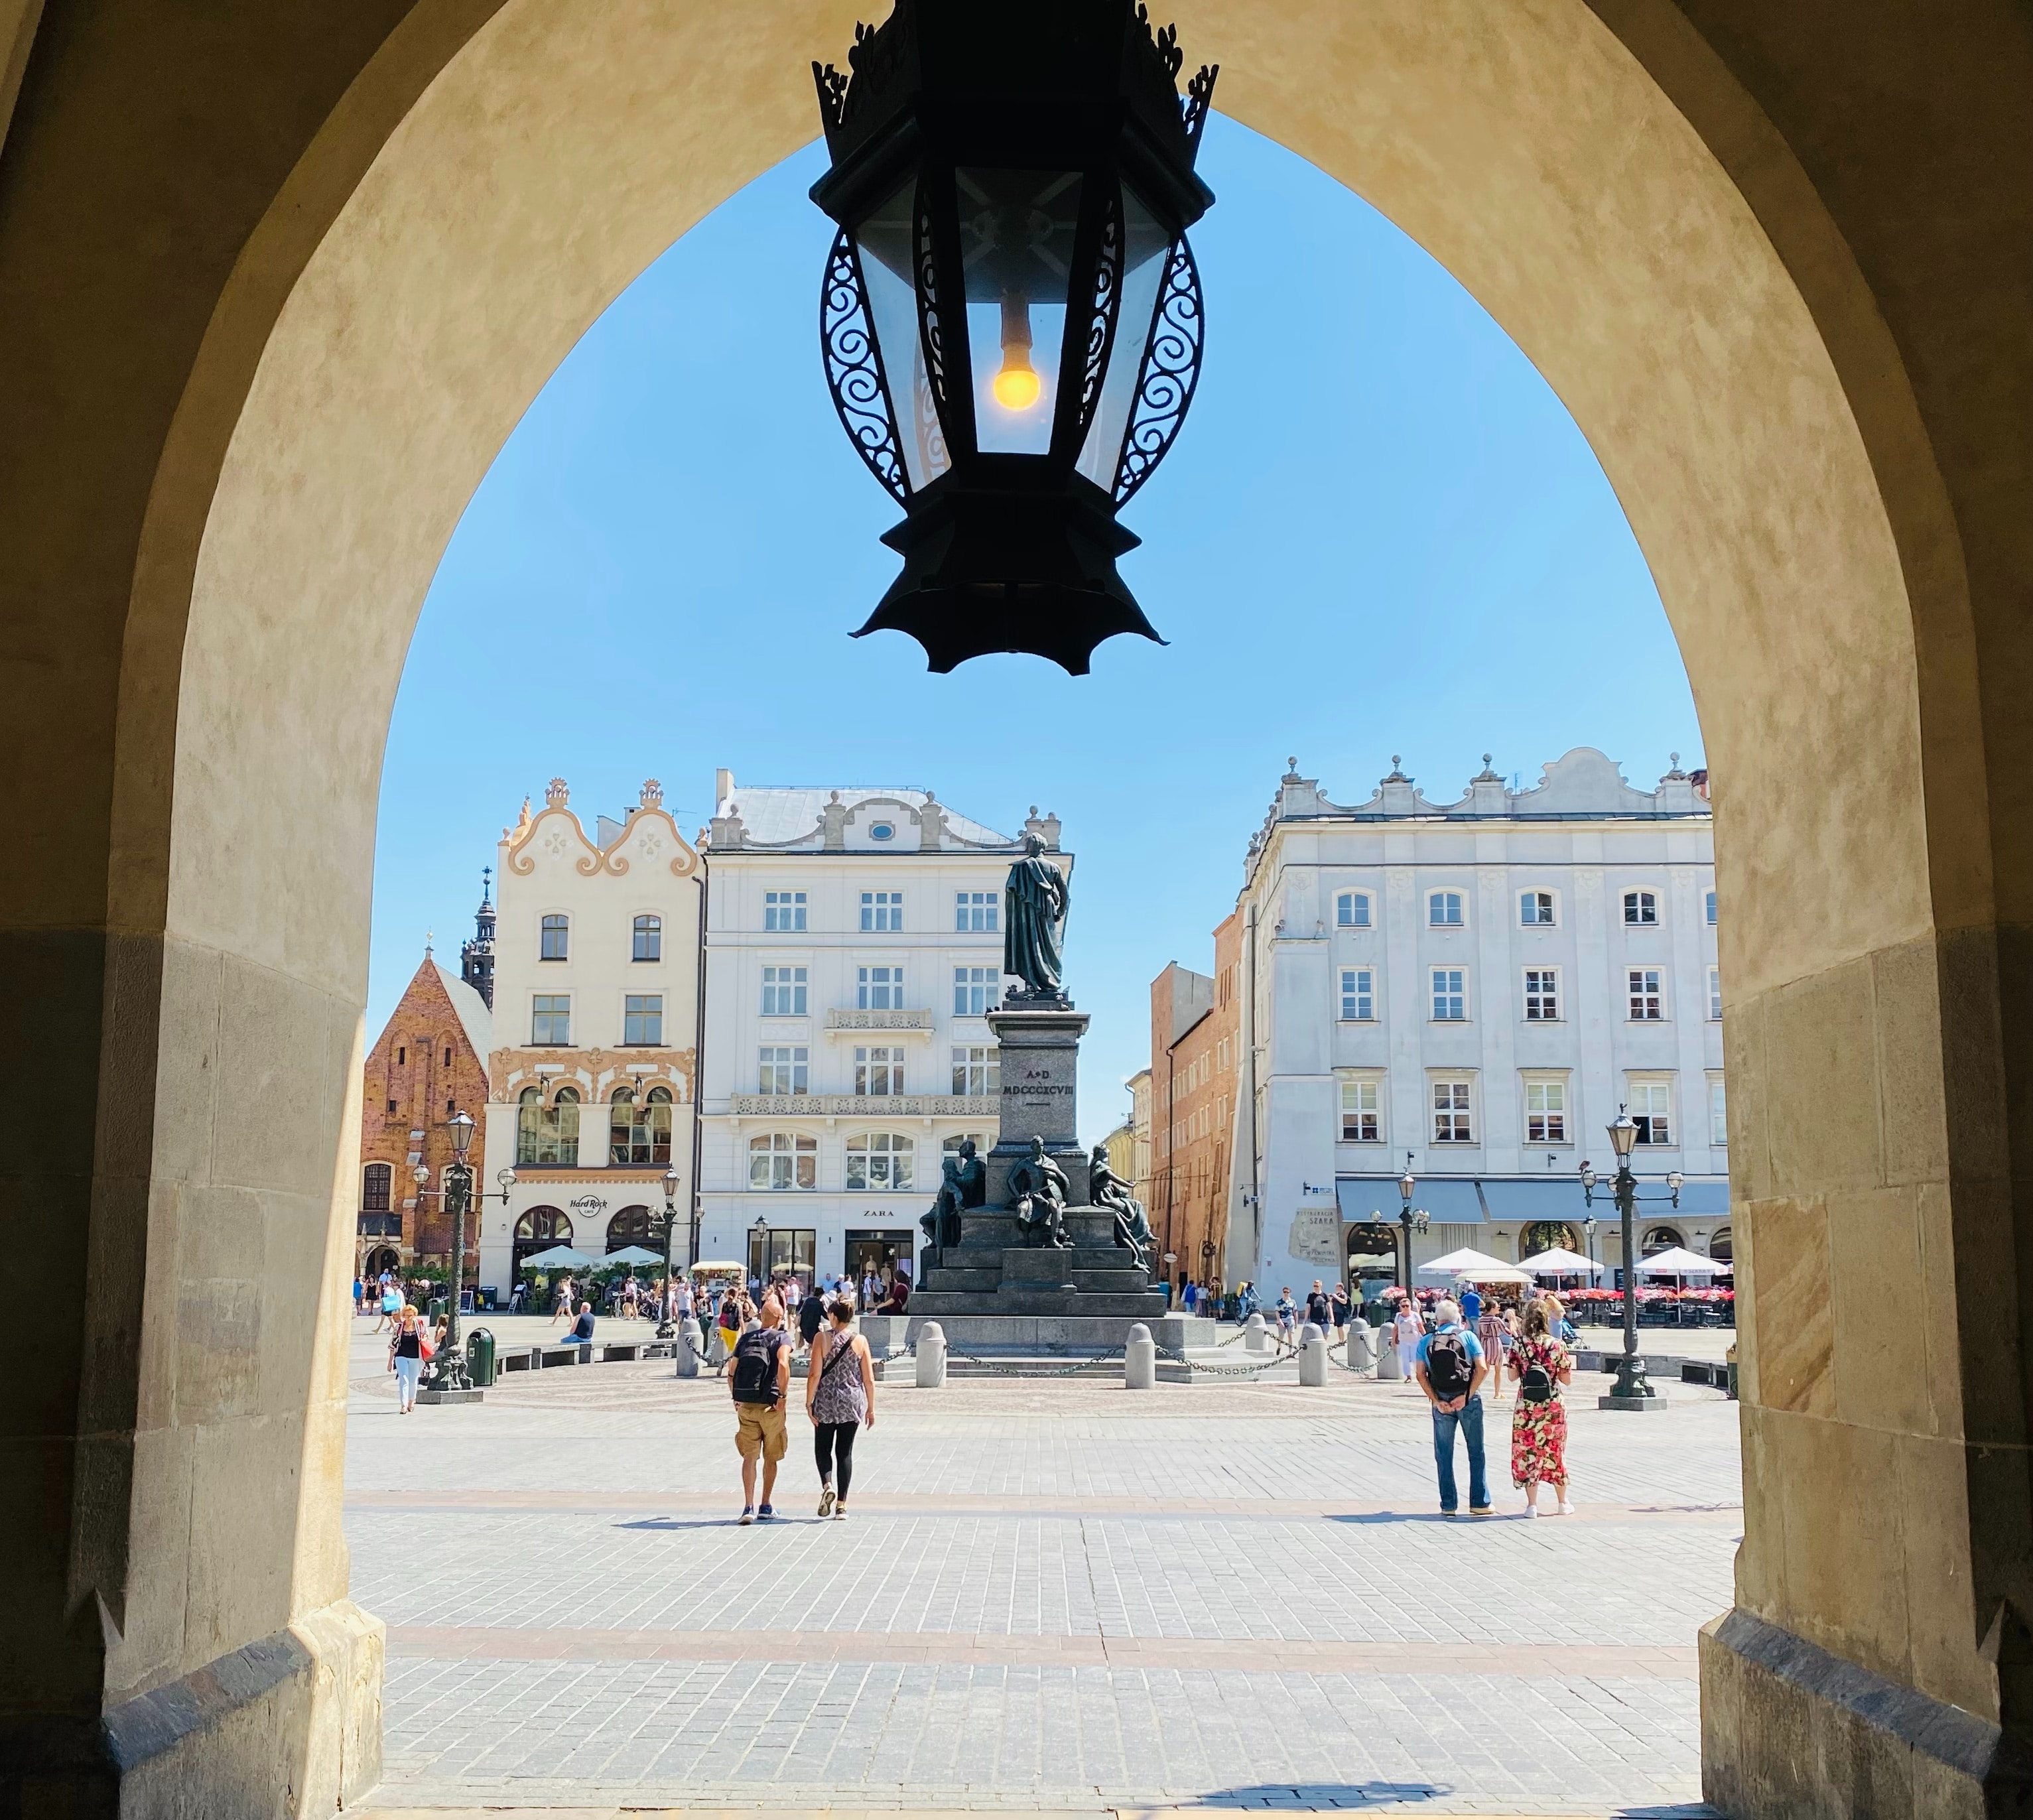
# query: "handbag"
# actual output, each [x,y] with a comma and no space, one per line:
[424,1349]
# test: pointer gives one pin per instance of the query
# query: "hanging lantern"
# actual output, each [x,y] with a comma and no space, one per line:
[1011,316]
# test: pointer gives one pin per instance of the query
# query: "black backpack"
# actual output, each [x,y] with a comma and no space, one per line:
[1535,1384]
[755,1365]
[1447,1368]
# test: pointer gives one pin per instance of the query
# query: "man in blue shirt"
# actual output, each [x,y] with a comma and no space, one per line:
[1449,1367]
[1471,1305]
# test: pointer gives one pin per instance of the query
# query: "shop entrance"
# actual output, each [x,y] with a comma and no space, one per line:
[888,1254]
[775,1251]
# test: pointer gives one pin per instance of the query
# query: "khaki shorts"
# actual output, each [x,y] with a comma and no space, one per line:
[759,1429]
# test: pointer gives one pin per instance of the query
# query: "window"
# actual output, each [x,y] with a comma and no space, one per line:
[391,1106]
[550,1019]
[1451,1122]
[977,1069]
[641,1019]
[784,911]
[1359,994]
[1647,1004]
[447,1060]
[1641,909]
[783,1160]
[631,1226]
[1361,1115]
[1443,910]
[977,912]
[638,1134]
[878,988]
[649,938]
[784,1069]
[374,1184]
[882,831]
[1708,907]
[1545,1112]
[1449,994]
[451,1105]
[1535,908]
[1658,1239]
[1542,995]
[980,1139]
[555,941]
[1651,1110]
[882,912]
[783,992]
[1722,1246]
[974,990]
[879,1070]
[1351,910]
[402,1057]
[547,1134]
[1718,1116]
[878,1160]
[1715,996]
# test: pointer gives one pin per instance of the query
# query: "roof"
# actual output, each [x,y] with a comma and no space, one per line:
[772,813]
[474,1018]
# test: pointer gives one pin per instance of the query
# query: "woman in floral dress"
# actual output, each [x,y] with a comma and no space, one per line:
[1539,1428]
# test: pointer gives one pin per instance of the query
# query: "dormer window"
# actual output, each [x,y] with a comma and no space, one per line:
[882,831]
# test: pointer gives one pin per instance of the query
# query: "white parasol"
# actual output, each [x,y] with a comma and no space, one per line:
[1559,1262]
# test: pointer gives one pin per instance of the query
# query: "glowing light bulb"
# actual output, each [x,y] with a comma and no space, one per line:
[1016,386]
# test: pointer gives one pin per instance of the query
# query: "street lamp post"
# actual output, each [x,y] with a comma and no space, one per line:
[671,1178]
[448,1369]
[1410,1220]
[760,1229]
[1633,1387]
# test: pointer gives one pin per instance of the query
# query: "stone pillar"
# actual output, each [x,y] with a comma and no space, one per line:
[1040,1096]
[690,1344]
[1256,1335]
[1312,1356]
[931,1357]
[1139,1360]
[1361,1345]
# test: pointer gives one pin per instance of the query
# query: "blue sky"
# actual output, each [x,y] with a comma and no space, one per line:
[1379,531]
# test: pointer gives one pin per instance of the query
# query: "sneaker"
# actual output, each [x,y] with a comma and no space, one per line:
[840,1513]
[767,1513]
[748,1514]
[1482,1509]
[825,1500]
[1446,1512]
[1564,1509]
[1531,1510]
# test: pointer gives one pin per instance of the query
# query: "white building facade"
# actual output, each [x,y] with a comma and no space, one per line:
[1480,984]
[854,944]
[591,1085]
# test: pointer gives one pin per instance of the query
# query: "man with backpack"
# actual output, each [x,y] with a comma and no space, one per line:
[758,1374]
[1449,1367]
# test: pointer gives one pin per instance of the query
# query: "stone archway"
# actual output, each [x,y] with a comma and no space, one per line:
[283,293]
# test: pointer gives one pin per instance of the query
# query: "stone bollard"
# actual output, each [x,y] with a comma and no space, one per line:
[1139,1360]
[688,1347]
[1256,1336]
[931,1353]
[1388,1365]
[1312,1355]
[1361,1346]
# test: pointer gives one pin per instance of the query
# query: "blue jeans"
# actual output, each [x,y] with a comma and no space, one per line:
[1468,1420]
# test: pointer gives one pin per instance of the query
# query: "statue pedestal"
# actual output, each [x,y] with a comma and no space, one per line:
[1040,1061]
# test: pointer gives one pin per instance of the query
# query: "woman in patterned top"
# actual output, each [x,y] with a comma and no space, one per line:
[1539,1422]
[840,1397]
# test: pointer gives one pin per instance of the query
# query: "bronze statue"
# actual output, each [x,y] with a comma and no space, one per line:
[963,1183]
[1034,899]
[1037,1189]
[1106,1189]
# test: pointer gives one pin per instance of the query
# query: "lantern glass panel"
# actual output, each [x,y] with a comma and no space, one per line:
[885,242]
[1017,233]
[1146,247]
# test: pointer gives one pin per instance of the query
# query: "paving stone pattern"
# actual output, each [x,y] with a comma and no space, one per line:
[1051,1595]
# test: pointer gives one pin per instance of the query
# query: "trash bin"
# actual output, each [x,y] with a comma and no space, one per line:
[480,1357]
[436,1309]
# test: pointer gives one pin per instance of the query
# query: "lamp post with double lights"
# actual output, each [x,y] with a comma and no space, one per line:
[448,1368]
[1633,1389]
[671,1178]
[1410,1220]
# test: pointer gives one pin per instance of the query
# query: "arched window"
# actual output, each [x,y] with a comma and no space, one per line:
[783,1160]
[649,938]
[1659,1238]
[1641,909]
[630,1226]
[383,1257]
[537,1230]
[554,941]
[374,1184]
[639,1132]
[1722,1247]
[1547,1235]
[546,1133]
[878,1160]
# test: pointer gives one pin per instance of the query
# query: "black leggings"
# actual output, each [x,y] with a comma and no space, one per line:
[826,1438]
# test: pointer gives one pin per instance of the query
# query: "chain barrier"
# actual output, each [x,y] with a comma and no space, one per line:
[1008,1370]
[1221,1371]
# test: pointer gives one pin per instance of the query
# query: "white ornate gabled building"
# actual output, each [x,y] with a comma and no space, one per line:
[854,943]
[591,1085]
[1480,983]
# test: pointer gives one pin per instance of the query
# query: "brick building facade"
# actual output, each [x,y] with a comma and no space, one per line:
[1194,1023]
[429,1063]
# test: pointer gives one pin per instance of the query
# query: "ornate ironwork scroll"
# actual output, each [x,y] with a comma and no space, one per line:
[1107,307]
[1171,369]
[1200,100]
[931,332]
[854,368]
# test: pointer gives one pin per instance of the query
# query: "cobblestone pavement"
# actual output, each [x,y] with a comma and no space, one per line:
[1051,1595]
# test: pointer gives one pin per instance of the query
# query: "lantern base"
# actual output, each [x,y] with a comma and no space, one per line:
[1009,570]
